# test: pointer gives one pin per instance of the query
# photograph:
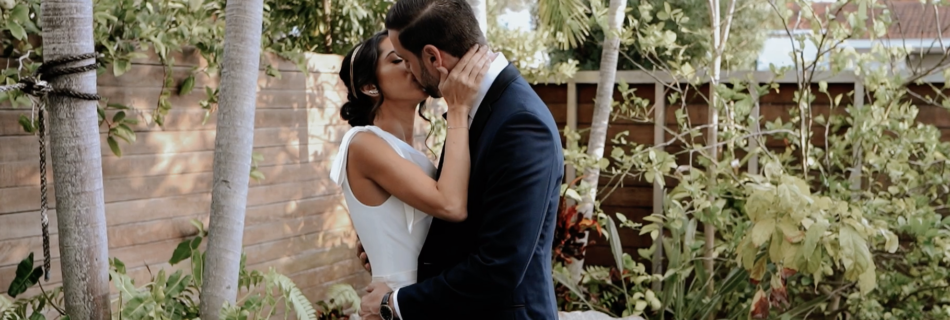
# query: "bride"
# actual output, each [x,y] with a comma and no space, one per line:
[389,186]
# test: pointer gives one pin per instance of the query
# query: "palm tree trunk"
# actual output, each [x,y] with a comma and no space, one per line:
[603,104]
[77,164]
[233,145]
[481,13]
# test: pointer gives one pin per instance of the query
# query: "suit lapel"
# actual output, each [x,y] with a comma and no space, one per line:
[505,78]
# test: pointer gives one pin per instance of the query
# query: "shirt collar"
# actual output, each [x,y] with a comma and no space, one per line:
[497,66]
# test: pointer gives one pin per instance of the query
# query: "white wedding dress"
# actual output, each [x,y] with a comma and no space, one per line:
[392,233]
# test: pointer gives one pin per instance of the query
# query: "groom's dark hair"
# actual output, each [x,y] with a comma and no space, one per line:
[449,25]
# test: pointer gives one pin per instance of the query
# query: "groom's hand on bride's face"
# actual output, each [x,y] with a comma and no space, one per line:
[362,255]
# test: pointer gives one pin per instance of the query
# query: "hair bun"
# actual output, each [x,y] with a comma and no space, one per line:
[356,113]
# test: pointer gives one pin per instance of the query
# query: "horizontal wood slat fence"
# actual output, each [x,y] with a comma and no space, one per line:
[572,105]
[297,221]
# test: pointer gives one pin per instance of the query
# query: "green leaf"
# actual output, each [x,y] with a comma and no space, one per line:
[198,225]
[868,280]
[762,231]
[114,145]
[854,254]
[16,30]
[182,252]
[37,316]
[758,271]
[195,243]
[121,66]
[187,86]
[119,265]
[125,133]
[119,116]
[136,308]
[812,236]
[21,13]
[27,124]
[26,276]
[615,246]
[891,242]
[775,246]
[273,72]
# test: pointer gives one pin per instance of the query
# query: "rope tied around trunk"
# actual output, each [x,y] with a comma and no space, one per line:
[39,89]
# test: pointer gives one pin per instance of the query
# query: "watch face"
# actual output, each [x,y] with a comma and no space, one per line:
[386,312]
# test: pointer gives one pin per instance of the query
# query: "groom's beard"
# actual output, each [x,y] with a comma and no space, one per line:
[430,83]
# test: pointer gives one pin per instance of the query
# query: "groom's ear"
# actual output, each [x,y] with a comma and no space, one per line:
[432,56]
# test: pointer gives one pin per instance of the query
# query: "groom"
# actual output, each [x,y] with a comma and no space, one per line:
[496,264]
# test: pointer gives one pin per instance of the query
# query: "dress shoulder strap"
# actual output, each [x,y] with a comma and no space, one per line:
[338,168]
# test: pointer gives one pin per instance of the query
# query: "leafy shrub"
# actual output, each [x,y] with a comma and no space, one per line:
[175,296]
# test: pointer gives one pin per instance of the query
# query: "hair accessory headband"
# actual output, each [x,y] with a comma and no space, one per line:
[353,58]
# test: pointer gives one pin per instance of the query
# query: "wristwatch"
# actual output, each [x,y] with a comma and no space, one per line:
[385,310]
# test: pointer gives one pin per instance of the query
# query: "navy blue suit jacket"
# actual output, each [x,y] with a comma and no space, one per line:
[497,263]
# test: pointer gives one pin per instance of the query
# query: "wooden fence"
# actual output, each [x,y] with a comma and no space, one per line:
[572,106]
[296,218]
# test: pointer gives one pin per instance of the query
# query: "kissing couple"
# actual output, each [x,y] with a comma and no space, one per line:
[471,238]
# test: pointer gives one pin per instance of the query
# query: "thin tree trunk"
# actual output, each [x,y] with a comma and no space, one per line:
[720,35]
[602,107]
[77,164]
[328,19]
[233,145]
[481,14]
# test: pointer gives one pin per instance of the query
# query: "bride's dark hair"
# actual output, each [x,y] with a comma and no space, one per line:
[358,71]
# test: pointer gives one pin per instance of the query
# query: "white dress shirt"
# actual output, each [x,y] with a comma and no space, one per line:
[494,70]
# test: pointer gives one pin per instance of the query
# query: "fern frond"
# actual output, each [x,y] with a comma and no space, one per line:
[302,306]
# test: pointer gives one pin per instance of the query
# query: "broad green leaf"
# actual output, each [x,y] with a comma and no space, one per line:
[812,236]
[136,308]
[182,252]
[27,124]
[758,271]
[615,246]
[758,204]
[855,255]
[21,13]
[746,253]
[121,66]
[868,280]
[114,145]
[126,133]
[273,72]
[119,116]
[775,246]
[762,231]
[16,30]
[187,85]
[118,265]
[37,316]
[790,230]
[26,276]
[891,242]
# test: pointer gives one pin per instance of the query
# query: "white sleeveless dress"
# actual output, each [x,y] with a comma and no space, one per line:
[392,233]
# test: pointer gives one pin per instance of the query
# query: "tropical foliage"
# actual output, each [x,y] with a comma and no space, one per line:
[846,217]
[172,295]
[682,25]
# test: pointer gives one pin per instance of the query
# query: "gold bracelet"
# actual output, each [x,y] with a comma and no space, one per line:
[451,127]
